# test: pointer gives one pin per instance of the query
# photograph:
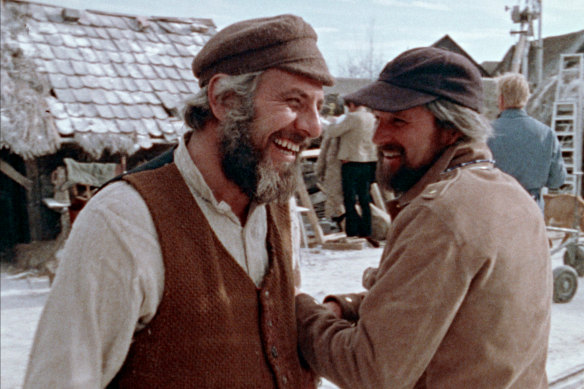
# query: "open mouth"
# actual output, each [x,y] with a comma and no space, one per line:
[287,146]
[389,154]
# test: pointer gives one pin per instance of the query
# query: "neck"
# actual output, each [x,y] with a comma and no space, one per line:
[204,150]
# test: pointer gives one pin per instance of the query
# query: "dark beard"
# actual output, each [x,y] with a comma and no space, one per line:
[403,180]
[245,165]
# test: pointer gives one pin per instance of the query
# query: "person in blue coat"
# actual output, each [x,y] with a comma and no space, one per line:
[523,147]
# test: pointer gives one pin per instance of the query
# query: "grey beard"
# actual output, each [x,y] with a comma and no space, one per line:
[244,164]
[275,186]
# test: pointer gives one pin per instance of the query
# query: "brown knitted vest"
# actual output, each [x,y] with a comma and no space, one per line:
[214,328]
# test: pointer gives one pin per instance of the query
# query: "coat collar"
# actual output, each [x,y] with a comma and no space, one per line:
[512,113]
[454,157]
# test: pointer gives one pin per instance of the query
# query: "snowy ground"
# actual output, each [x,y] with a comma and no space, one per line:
[323,272]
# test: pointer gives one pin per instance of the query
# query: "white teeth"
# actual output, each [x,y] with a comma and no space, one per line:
[391,154]
[287,145]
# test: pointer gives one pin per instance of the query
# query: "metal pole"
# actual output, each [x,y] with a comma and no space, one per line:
[539,46]
[518,54]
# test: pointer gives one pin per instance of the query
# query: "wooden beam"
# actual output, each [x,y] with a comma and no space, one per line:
[15,175]
[312,218]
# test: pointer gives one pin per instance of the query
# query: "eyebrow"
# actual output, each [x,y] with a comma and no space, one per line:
[301,93]
[295,91]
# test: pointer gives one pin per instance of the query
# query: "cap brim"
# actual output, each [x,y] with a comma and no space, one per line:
[311,68]
[382,96]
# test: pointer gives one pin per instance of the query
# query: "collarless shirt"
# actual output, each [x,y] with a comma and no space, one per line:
[247,243]
[110,280]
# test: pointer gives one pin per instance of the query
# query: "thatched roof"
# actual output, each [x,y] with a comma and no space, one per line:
[103,81]
[25,125]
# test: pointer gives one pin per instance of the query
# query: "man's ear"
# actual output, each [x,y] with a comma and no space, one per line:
[450,136]
[219,104]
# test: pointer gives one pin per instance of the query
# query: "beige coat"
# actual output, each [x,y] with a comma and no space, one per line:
[462,296]
[328,172]
[355,130]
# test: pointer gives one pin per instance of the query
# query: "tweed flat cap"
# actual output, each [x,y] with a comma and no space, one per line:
[419,76]
[286,42]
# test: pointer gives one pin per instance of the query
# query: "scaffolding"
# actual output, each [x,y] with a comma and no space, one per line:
[567,115]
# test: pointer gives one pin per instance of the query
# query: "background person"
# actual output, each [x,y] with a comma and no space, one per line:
[358,156]
[181,276]
[522,146]
[328,167]
[462,294]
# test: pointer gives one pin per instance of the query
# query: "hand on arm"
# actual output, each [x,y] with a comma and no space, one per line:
[401,321]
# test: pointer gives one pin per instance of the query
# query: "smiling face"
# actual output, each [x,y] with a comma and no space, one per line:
[261,148]
[409,142]
[286,115]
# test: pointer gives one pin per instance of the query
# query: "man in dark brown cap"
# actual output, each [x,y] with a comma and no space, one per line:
[461,297]
[182,275]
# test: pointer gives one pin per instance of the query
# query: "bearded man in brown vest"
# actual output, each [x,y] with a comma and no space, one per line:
[181,276]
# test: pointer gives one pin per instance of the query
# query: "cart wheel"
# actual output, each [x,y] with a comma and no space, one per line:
[565,284]
[574,256]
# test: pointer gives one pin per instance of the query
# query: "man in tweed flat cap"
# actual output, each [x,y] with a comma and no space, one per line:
[181,274]
[461,298]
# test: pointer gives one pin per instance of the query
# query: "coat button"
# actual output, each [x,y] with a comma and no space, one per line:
[274,352]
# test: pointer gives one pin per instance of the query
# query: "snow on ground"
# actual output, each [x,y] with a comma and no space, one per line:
[323,272]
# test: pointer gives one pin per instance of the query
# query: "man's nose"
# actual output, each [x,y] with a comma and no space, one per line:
[381,135]
[308,121]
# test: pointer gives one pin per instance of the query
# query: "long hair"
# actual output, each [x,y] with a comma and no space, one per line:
[449,115]
[197,110]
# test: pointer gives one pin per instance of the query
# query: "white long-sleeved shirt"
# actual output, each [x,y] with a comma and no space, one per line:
[111,278]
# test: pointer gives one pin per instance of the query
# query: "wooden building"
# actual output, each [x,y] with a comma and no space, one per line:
[86,85]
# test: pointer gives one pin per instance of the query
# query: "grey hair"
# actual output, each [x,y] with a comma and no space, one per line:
[472,125]
[197,110]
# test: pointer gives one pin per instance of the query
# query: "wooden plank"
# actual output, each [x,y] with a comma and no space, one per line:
[311,214]
[15,175]
[344,243]
[351,244]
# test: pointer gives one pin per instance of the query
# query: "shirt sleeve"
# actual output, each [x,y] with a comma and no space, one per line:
[296,231]
[557,174]
[344,124]
[108,285]
[403,318]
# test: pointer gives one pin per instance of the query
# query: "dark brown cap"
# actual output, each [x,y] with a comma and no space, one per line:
[286,42]
[419,76]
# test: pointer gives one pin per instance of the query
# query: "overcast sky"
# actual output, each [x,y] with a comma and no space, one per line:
[345,27]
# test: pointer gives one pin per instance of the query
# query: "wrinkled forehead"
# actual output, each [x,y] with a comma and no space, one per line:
[281,82]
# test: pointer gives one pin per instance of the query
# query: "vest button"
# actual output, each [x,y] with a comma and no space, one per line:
[274,352]
[269,323]
[267,293]
[284,380]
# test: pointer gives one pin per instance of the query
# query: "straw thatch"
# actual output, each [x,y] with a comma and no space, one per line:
[26,129]
[104,82]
